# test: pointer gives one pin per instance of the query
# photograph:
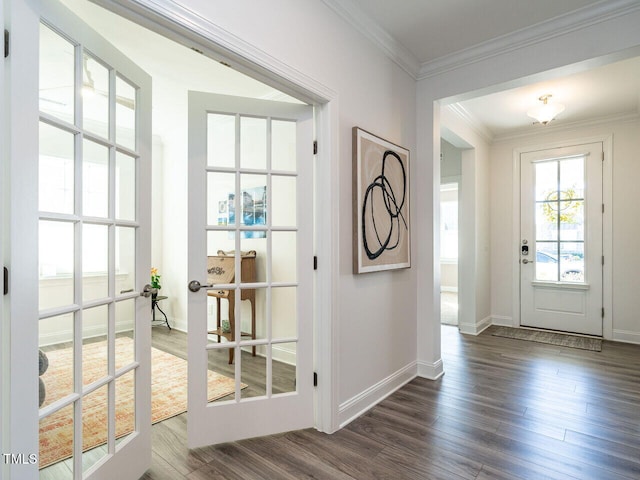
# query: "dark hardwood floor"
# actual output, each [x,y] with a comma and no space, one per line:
[505,409]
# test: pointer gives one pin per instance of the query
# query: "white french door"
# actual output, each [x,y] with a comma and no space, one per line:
[250,191]
[80,250]
[561,239]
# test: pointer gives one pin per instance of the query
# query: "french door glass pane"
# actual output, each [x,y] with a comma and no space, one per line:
[254,265]
[125,187]
[283,201]
[55,339]
[56,440]
[125,396]
[223,389]
[125,114]
[254,373]
[283,145]
[56,170]
[56,257]
[254,298]
[95,254]
[221,140]
[284,257]
[95,179]
[220,240]
[94,426]
[95,323]
[284,322]
[125,258]
[283,365]
[253,204]
[57,73]
[125,328]
[221,189]
[253,143]
[95,96]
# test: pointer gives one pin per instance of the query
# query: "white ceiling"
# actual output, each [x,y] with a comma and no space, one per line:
[602,93]
[432,29]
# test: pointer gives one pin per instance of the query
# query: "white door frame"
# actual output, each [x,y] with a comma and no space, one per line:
[607,225]
[185,27]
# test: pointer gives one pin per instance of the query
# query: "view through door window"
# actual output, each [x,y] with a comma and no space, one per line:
[560,219]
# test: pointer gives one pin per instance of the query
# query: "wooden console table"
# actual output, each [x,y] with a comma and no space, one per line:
[221,270]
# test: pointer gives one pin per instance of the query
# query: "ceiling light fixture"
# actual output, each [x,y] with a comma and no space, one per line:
[547,111]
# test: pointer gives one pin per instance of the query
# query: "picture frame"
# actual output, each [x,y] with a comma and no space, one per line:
[381,194]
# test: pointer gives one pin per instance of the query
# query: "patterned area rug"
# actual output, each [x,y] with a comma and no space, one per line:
[552,338]
[168,396]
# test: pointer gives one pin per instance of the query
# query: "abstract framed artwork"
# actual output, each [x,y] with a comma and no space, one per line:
[382,230]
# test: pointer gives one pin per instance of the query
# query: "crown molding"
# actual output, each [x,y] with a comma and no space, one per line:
[368,27]
[561,127]
[471,121]
[540,32]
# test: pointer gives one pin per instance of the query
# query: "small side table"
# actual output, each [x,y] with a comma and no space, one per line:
[154,306]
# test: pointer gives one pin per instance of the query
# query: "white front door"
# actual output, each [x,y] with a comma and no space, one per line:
[561,239]
[80,159]
[250,316]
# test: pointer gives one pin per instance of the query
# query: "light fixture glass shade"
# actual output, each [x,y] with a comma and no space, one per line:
[546,112]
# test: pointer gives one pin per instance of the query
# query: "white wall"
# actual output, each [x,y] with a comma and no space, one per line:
[509,65]
[626,222]
[376,312]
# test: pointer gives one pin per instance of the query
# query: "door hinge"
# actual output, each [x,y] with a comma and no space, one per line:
[315,147]
[603,156]
[603,259]
[603,208]
[315,379]
[5,281]
[602,312]
[315,262]
[6,43]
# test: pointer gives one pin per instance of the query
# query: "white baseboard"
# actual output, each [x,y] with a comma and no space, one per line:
[360,403]
[503,321]
[431,371]
[475,328]
[626,336]
[178,324]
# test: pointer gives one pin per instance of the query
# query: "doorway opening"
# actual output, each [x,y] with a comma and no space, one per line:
[450,176]
[175,70]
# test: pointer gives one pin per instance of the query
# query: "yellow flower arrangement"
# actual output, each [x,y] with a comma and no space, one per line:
[155,279]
